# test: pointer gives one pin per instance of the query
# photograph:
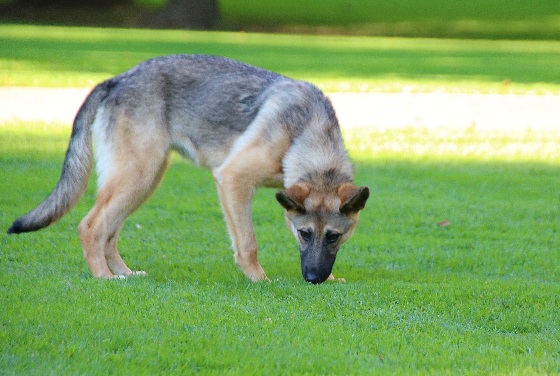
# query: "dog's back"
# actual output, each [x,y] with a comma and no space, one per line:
[207,102]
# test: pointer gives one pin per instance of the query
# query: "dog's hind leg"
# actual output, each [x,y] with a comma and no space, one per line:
[116,200]
[132,156]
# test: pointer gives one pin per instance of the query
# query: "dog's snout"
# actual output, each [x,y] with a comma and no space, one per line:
[316,268]
[311,277]
[314,278]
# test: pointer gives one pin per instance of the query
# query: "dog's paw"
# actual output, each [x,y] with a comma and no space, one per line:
[133,273]
[339,280]
[253,271]
[260,278]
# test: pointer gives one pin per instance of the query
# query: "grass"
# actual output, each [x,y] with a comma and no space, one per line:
[79,57]
[537,19]
[477,296]
[454,268]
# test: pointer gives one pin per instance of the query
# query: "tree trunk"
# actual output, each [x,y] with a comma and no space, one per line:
[188,14]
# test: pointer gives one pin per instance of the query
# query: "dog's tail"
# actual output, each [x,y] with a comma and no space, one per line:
[75,171]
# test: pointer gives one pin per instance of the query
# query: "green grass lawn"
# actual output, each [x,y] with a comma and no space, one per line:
[478,296]
[70,57]
[509,19]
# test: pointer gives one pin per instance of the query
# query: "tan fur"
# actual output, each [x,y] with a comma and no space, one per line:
[250,165]
[136,170]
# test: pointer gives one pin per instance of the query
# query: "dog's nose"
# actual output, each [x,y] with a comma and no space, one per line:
[312,278]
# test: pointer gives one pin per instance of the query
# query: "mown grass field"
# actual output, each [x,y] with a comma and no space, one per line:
[454,268]
[479,295]
[69,57]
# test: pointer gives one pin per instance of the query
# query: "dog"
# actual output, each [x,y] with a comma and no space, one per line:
[250,126]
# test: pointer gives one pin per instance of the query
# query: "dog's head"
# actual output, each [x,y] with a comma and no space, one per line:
[321,222]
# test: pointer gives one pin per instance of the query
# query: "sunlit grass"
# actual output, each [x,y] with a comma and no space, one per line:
[470,144]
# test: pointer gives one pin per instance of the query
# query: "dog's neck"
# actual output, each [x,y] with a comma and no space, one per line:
[318,156]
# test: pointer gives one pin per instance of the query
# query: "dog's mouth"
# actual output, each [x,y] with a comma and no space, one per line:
[314,278]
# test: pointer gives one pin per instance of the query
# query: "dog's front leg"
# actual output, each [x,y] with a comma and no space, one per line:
[236,191]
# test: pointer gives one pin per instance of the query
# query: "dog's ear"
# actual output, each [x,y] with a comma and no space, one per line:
[293,197]
[352,198]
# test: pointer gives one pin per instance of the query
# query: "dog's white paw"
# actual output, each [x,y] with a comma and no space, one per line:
[134,273]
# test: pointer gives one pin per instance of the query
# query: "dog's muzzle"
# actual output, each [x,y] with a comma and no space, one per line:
[315,278]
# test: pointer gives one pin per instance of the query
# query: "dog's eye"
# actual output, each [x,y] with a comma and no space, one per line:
[332,237]
[305,235]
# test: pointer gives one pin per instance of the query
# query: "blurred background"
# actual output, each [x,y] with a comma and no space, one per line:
[483,19]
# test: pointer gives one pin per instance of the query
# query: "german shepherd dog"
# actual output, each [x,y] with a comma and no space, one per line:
[250,126]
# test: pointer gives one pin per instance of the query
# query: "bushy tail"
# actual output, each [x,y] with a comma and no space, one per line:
[75,171]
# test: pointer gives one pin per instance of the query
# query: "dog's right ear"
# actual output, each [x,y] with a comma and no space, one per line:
[353,199]
[293,198]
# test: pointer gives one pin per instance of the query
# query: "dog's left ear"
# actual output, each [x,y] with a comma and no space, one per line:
[352,198]
[293,197]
